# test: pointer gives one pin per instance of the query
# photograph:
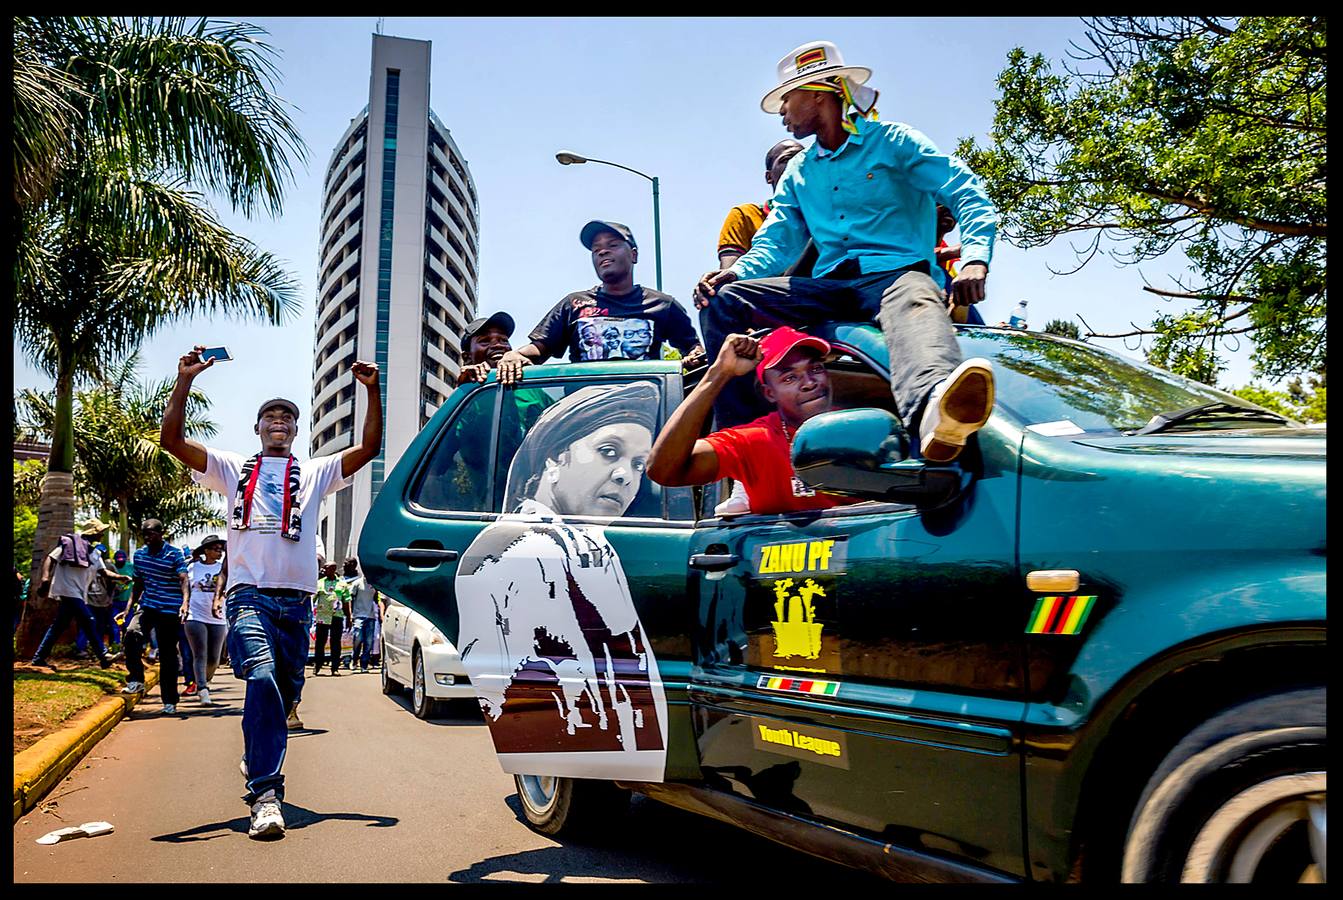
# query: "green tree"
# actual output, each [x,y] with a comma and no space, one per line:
[112,240]
[27,487]
[1198,134]
[1063,328]
[1302,401]
[120,470]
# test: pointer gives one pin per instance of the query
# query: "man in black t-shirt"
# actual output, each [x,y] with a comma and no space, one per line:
[617,319]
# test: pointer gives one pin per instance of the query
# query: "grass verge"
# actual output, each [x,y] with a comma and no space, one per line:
[43,700]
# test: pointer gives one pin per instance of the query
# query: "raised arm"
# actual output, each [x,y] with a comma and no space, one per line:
[679,455]
[172,436]
[354,459]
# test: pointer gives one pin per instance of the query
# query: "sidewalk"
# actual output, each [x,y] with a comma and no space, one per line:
[40,767]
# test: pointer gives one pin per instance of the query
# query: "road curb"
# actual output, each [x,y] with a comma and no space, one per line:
[39,768]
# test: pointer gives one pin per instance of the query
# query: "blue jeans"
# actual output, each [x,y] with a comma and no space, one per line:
[188,660]
[267,648]
[69,608]
[363,641]
[102,622]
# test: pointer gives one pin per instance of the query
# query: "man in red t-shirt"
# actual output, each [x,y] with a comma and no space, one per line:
[791,369]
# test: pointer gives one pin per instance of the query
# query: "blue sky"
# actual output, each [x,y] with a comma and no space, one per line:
[676,98]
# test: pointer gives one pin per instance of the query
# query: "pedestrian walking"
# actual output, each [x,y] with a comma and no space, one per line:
[98,601]
[205,624]
[367,612]
[330,610]
[67,572]
[161,590]
[121,592]
[273,501]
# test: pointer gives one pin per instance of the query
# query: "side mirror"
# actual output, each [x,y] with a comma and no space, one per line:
[864,453]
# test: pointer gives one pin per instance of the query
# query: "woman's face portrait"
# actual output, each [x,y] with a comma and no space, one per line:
[599,474]
[611,339]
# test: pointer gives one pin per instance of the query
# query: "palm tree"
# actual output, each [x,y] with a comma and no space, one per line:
[111,240]
[120,470]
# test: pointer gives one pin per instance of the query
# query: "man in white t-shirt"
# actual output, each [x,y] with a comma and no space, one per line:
[272,504]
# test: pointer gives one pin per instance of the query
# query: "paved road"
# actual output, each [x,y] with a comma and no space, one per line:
[373,794]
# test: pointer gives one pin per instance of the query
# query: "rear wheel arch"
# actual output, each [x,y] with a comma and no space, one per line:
[1151,723]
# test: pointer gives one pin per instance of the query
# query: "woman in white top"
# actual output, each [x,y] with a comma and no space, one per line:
[204,616]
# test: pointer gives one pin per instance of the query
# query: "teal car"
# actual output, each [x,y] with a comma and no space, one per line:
[1092,650]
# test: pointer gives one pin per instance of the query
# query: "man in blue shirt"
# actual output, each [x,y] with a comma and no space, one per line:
[865,193]
[161,589]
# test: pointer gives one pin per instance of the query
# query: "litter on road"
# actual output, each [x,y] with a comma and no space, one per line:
[88,829]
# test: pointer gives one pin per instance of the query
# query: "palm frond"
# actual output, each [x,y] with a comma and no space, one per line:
[194,97]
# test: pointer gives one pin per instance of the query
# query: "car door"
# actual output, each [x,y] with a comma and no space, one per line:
[863,666]
[394,641]
[433,504]
[566,690]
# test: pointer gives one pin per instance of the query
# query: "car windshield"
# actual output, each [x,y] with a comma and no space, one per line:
[1042,380]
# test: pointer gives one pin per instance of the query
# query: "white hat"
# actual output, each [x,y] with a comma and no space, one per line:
[812,61]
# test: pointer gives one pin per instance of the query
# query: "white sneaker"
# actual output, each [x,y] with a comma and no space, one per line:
[204,696]
[957,408]
[267,820]
[134,687]
[170,709]
[735,505]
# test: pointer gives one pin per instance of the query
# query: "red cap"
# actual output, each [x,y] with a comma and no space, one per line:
[775,346]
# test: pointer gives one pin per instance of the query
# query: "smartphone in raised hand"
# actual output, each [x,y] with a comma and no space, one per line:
[218,353]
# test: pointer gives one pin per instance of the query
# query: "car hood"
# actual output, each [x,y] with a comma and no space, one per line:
[1243,443]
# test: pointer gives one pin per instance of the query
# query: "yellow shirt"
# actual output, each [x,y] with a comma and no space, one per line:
[739,227]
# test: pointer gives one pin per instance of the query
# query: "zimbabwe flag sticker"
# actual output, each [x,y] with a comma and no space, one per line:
[1060,615]
[798,685]
[809,57]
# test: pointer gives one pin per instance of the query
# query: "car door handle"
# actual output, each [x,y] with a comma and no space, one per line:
[420,555]
[714,562]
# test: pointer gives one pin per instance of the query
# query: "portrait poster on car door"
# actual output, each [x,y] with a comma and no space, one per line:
[550,637]
[792,605]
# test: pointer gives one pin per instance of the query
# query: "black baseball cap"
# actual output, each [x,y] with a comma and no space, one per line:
[502,319]
[280,402]
[596,227]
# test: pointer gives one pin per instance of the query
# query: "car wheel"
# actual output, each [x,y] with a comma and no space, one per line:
[1241,798]
[570,806]
[424,705]
[389,685]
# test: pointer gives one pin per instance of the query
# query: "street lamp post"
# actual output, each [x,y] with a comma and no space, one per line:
[566,158]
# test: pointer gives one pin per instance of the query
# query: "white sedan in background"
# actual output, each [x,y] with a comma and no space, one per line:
[416,654]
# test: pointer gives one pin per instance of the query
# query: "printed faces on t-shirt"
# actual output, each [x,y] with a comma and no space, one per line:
[599,336]
[268,499]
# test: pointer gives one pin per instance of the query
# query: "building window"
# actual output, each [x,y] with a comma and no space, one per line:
[393,100]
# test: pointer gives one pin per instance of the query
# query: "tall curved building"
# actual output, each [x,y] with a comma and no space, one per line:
[397,273]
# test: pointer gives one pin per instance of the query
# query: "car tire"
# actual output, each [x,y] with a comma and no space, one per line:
[1241,797]
[390,686]
[425,707]
[570,807]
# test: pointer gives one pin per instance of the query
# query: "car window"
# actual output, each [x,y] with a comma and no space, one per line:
[853,384]
[457,474]
[1042,380]
[593,469]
